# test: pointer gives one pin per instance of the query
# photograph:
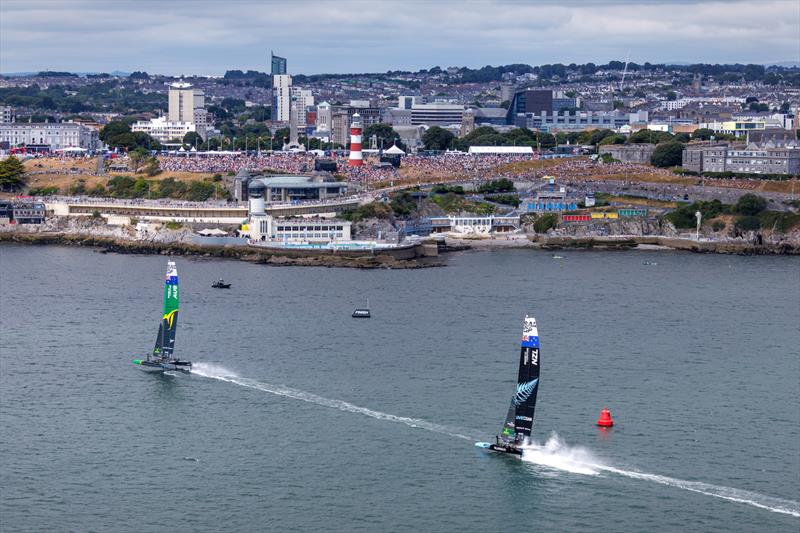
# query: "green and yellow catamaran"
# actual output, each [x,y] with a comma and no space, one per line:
[162,358]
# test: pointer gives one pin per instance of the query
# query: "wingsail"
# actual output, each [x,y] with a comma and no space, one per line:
[162,357]
[519,419]
[169,321]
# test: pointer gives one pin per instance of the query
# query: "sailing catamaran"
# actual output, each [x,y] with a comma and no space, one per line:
[519,419]
[162,359]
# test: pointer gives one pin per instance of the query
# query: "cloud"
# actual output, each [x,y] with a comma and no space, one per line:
[209,37]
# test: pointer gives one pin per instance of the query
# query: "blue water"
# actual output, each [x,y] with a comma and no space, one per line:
[300,418]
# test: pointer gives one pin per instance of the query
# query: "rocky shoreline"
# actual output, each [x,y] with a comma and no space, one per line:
[123,244]
[629,242]
[106,244]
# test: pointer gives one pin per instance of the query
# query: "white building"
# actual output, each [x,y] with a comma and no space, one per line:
[187,104]
[298,230]
[324,118]
[262,227]
[281,97]
[438,114]
[164,130]
[6,114]
[302,99]
[52,135]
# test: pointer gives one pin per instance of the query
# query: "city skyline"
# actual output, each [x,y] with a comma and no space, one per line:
[200,38]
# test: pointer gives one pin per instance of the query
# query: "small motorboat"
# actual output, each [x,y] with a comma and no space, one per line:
[555,256]
[220,284]
[362,312]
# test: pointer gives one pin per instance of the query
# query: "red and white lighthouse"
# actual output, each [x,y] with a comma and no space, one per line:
[356,127]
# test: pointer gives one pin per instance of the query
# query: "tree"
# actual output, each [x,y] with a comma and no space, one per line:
[152,167]
[138,157]
[384,133]
[703,134]
[12,174]
[597,136]
[649,136]
[113,129]
[668,154]
[192,138]
[750,205]
[437,138]
[747,223]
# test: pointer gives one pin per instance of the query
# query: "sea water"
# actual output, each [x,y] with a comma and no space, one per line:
[299,417]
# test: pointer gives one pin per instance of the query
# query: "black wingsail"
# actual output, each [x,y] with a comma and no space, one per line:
[159,341]
[519,420]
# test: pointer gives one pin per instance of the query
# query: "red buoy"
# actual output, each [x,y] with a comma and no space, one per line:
[605,419]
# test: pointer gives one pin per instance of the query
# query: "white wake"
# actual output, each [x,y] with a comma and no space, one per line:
[762,501]
[554,453]
[221,374]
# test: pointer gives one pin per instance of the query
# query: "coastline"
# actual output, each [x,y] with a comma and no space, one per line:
[264,256]
[631,242]
[423,258]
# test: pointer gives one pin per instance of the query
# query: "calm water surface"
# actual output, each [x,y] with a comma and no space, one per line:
[697,358]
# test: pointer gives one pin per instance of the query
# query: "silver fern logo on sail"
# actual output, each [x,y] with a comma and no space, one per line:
[524,391]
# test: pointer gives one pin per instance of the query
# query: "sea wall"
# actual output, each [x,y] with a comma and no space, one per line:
[675,243]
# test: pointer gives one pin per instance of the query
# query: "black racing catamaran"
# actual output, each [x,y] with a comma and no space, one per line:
[162,359]
[519,420]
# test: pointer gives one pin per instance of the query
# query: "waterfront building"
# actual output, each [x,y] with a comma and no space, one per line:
[164,130]
[298,230]
[50,135]
[475,225]
[281,97]
[284,189]
[262,227]
[6,211]
[29,213]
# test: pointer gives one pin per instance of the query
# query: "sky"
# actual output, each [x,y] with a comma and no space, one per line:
[203,37]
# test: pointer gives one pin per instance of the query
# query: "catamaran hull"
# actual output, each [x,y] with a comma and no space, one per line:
[152,366]
[498,448]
